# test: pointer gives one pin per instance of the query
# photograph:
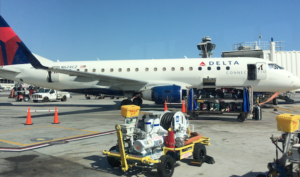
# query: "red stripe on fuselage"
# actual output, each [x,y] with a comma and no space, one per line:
[6,33]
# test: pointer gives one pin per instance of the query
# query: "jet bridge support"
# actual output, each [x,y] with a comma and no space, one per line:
[221,100]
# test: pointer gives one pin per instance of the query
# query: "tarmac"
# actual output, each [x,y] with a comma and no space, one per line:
[74,147]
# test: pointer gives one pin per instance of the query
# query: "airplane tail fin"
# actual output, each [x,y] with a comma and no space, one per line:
[10,51]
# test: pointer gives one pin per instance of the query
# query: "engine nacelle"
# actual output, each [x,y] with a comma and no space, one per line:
[169,93]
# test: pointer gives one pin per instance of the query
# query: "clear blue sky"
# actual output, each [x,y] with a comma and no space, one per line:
[71,30]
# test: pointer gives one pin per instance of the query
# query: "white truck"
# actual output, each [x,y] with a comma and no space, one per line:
[46,95]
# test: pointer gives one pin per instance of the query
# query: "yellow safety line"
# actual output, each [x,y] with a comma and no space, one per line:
[74,129]
[296,107]
[284,109]
[10,142]
[20,144]
[23,129]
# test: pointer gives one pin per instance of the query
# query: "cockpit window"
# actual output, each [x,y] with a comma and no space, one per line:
[274,66]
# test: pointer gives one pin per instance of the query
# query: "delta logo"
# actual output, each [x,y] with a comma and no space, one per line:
[202,64]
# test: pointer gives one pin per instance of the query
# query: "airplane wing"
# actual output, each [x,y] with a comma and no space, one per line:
[36,64]
[6,71]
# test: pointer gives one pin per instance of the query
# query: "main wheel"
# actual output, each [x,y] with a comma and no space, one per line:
[64,98]
[199,153]
[46,99]
[275,101]
[35,101]
[88,97]
[126,102]
[241,117]
[166,166]
[26,98]
[193,116]
[113,161]
[137,101]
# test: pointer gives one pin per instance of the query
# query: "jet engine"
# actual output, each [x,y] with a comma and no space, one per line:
[169,93]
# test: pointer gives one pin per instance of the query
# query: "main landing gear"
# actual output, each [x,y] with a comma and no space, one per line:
[136,101]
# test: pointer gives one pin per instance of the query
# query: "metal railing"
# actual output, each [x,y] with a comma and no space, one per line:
[264,45]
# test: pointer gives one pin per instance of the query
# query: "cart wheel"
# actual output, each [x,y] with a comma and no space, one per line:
[64,98]
[166,166]
[199,153]
[241,117]
[193,116]
[26,98]
[113,161]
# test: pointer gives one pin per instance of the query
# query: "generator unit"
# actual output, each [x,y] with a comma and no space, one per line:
[156,140]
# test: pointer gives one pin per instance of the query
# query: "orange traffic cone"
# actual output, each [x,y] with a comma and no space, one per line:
[183,107]
[166,107]
[56,121]
[28,121]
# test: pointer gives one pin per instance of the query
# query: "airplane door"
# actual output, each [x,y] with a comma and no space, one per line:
[261,70]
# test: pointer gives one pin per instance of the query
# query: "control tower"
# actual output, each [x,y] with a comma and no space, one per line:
[206,47]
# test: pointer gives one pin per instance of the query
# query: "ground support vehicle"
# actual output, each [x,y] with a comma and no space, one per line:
[224,103]
[288,164]
[22,95]
[46,95]
[151,143]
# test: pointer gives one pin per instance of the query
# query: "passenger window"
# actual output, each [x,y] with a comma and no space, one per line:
[191,68]
[199,68]
[172,69]
[128,69]
[181,68]
[227,68]
[146,69]
[111,70]
[102,70]
[85,70]
[94,70]
[77,69]
[218,68]
[209,68]
[120,69]
[164,69]
[136,69]
[155,69]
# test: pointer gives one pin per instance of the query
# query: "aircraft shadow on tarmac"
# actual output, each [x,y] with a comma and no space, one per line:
[100,164]
[250,174]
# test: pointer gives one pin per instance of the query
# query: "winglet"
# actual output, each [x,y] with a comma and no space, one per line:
[31,58]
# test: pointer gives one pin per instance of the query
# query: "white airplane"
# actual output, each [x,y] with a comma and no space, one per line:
[156,80]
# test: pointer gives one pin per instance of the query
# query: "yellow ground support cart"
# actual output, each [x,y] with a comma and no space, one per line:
[151,142]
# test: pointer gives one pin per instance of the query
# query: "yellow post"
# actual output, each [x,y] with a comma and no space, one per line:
[124,164]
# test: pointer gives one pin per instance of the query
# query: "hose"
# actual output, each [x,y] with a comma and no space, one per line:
[166,120]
